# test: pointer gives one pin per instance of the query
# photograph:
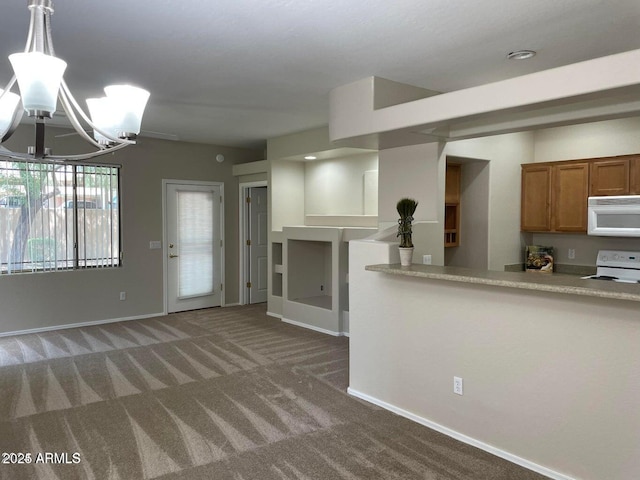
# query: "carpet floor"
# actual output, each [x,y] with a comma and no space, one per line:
[210,394]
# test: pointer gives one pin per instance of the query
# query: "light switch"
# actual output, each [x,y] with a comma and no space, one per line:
[155,244]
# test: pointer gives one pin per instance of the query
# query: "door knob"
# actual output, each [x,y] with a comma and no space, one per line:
[171,255]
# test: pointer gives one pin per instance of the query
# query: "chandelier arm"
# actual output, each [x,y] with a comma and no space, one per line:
[47,31]
[29,45]
[17,118]
[74,120]
[9,86]
[86,156]
[17,115]
[39,15]
[64,87]
[5,152]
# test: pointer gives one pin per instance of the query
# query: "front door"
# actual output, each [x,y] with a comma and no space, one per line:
[258,244]
[194,247]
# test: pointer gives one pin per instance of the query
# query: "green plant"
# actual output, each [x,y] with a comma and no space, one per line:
[406,208]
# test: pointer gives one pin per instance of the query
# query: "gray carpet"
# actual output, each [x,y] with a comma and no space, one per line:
[211,394]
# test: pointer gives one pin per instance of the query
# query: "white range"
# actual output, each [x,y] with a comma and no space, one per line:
[618,266]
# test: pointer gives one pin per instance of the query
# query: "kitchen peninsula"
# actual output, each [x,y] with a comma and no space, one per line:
[550,364]
[541,282]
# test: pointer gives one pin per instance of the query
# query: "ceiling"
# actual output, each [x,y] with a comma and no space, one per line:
[237,72]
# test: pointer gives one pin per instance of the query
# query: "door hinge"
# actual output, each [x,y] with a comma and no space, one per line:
[221,243]
[248,284]
[222,286]
[248,199]
[248,243]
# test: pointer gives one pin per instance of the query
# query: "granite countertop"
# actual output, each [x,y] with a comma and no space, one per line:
[545,282]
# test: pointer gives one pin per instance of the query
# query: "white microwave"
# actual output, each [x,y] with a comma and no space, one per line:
[617,216]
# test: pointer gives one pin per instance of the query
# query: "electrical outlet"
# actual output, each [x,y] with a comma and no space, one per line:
[123,295]
[457,385]
[572,254]
[322,288]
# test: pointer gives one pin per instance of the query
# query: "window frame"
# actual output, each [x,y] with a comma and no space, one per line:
[76,216]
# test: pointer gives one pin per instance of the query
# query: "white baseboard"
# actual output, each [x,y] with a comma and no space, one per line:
[81,324]
[312,327]
[461,437]
[275,315]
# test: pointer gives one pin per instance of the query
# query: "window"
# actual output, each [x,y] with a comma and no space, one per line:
[58,216]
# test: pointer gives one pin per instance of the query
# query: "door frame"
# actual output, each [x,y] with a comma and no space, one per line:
[243,222]
[165,250]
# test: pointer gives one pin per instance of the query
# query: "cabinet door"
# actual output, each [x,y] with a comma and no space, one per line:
[570,193]
[634,175]
[452,205]
[452,184]
[535,215]
[609,177]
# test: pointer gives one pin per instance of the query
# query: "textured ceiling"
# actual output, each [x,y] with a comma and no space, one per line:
[236,72]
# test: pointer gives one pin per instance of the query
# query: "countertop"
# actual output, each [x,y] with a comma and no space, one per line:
[545,282]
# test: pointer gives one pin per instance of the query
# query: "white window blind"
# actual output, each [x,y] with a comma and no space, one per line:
[196,235]
[57,216]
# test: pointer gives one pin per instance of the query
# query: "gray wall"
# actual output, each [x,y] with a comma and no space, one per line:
[30,301]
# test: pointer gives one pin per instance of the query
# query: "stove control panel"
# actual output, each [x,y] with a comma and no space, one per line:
[618,258]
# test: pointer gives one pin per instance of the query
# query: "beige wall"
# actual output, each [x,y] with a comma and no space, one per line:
[589,140]
[414,172]
[505,154]
[286,194]
[336,186]
[473,242]
[418,171]
[47,299]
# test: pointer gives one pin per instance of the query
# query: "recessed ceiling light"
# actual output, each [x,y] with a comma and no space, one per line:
[310,157]
[521,55]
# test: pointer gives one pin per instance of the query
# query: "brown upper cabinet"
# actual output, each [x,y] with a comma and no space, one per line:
[609,177]
[615,176]
[634,175]
[452,205]
[554,197]
[555,194]
[569,197]
[535,207]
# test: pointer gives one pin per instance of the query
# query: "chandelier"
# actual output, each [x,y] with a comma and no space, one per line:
[114,118]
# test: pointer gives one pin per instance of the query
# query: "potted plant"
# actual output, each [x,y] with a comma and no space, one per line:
[406,208]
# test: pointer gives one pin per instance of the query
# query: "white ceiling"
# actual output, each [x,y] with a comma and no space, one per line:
[236,72]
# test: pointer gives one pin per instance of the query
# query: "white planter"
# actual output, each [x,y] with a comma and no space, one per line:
[406,255]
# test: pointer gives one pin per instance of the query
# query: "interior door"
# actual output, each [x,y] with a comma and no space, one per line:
[194,249]
[258,216]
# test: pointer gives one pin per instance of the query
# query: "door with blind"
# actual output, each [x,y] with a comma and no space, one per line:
[193,245]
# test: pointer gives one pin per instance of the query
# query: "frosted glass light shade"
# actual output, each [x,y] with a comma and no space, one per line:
[103,116]
[39,78]
[8,104]
[130,103]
